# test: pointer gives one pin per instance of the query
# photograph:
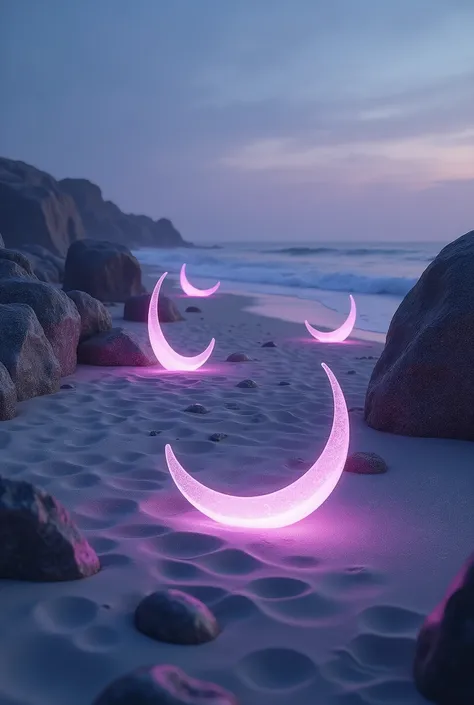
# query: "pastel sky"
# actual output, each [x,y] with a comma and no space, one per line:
[251,119]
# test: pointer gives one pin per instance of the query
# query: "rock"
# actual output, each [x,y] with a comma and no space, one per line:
[105,270]
[351,372]
[39,541]
[247,384]
[104,220]
[47,266]
[19,258]
[269,344]
[11,270]
[67,386]
[94,316]
[136,309]
[193,309]
[154,433]
[444,656]
[283,383]
[175,617]
[423,383]
[57,314]
[32,204]
[27,353]
[238,357]
[365,464]
[7,395]
[115,348]
[197,409]
[217,437]
[163,685]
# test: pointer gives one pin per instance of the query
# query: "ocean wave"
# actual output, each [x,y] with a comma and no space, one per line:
[349,252]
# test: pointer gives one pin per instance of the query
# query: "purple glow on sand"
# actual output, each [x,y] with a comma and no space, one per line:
[341,333]
[166,356]
[283,507]
[191,290]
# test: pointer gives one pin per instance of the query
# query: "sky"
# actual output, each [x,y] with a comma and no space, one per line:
[277,120]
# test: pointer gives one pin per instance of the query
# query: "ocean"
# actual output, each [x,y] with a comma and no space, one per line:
[378,275]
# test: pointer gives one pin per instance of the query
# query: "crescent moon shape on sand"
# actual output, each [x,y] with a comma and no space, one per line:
[166,356]
[191,290]
[341,333]
[283,507]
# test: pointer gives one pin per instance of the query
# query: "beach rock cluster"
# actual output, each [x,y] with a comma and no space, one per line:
[423,383]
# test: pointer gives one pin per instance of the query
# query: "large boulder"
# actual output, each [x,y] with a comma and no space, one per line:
[444,657]
[32,204]
[18,258]
[95,318]
[7,395]
[55,311]
[26,352]
[38,539]
[11,270]
[47,266]
[423,383]
[115,348]
[136,309]
[105,270]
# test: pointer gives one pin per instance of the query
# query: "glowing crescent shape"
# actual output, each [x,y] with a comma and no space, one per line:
[341,333]
[191,290]
[286,506]
[169,358]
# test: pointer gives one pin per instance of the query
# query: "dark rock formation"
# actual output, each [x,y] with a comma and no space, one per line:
[7,395]
[33,205]
[136,309]
[55,311]
[444,657]
[269,344]
[105,270]
[423,383]
[27,353]
[365,464]
[95,318]
[104,220]
[175,617]
[115,348]
[163,685]
[38,540]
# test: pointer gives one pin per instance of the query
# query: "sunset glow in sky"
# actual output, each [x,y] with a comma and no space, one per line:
[252,119]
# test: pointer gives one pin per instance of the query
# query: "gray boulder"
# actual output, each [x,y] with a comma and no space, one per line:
[27,353]
[444,657]
[19,258]
[11,270]
[55,311]
[95,318]
[115,348]
[7,395]
[423,383]
[136,309]
[38,539]
[105,270]
[47,266]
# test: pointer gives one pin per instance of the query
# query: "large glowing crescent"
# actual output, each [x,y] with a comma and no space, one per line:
[286,506]
[169,358]
[191,290]
[341,333]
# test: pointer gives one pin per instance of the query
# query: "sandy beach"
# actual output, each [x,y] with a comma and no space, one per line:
[325,611]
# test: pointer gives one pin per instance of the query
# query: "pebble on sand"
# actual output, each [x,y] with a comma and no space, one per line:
[247,384]
[196,409]
[365,464]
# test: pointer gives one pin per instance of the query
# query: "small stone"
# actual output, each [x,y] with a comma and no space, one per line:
[238,357]
[351,372]
[68,386]
[270,344]
[247,384]
[216,437]
[176,618]
[356,408]
[283,383]
[155,433]
[193,309]
[163,685]
[365,464]
[197,409]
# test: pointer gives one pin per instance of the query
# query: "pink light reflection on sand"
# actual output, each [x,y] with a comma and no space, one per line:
[166,356]
[191,290]
[283,507]
[341,333]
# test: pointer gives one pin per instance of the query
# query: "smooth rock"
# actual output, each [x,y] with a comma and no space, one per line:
[238,357]
[193,309]
[136,309]
[269,344]
[18,258]
[94,316]
[365,464]
[247,384]
[196,409]
[115,348]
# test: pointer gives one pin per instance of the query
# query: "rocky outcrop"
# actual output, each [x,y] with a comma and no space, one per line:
[105,270]
[95,318]
[104,220]
[423,383]
[136,309]
[33,207]
[444,657]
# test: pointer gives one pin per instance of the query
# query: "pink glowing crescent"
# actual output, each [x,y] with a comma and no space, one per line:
[169,358]
[341,333]
[191,290]
[286,506]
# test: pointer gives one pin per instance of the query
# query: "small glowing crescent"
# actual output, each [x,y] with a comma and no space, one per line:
[286,506]
[191,290]
[341,333]
[169,358]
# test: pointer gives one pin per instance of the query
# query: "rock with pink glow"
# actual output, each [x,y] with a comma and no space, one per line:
[115,348]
